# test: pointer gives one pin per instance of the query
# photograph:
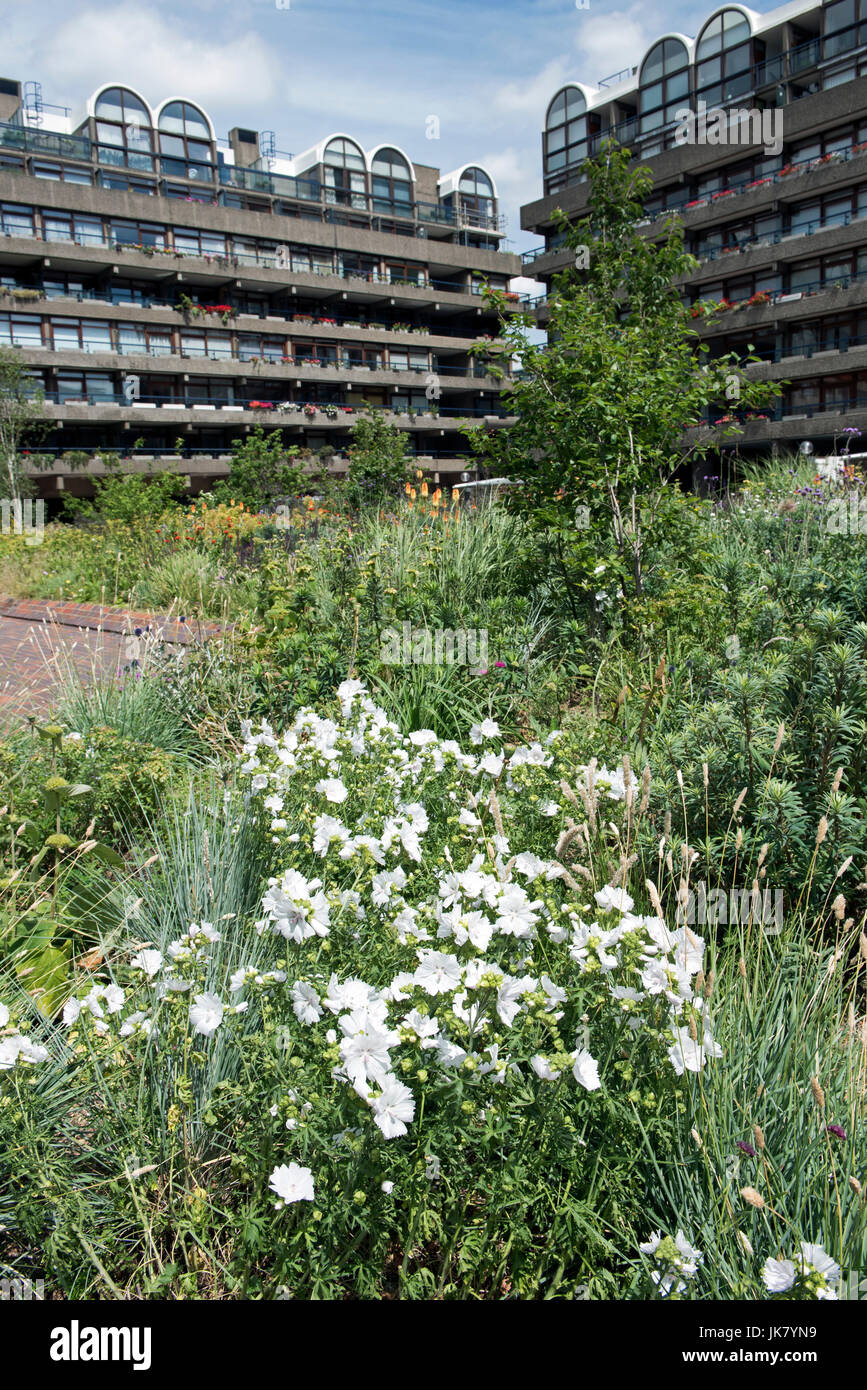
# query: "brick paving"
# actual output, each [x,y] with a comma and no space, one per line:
[44,642]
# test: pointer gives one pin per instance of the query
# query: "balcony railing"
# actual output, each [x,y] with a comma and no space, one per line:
[308,409]
[265,260]
[17,137]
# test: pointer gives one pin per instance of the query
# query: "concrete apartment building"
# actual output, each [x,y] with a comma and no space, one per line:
[779,225]
[170,287]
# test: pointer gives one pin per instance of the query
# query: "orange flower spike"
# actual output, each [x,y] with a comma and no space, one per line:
[424,489]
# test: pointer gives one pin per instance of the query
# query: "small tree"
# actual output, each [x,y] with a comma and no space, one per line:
[22,416]
[603,408]
[378,463]
[262,471]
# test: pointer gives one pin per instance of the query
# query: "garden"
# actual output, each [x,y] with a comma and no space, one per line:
[475,908]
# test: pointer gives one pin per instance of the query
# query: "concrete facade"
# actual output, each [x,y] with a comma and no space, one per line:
[170,291]
[780,233]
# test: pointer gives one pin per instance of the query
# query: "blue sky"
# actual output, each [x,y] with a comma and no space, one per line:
[377,70]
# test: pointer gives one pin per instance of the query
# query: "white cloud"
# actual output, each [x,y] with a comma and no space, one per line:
[154,53]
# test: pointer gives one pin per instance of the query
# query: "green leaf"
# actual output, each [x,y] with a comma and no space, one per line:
[45,976]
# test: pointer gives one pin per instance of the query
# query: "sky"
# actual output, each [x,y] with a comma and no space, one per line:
[375,69]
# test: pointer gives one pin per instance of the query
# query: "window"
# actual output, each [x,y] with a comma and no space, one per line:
[841,26]
[80,335]
[97,387]
[477,198]
[392,182]
[68,226]
[135,337]
[138,234]
[16,220]
[21,330]
[44,170]
[123,129]
[195,243]
[724,58]
[565,140]
[205,342]
[269,346]
[185,142]
[345,177]
[664,84]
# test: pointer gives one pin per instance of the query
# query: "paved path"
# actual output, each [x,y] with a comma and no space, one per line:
[43,644]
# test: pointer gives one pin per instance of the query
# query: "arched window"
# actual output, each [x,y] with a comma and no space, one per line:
[345,173]
[477,197]
[565,137]
[185,141]
[392,182]
[724,59]
[123,129]
[664,84]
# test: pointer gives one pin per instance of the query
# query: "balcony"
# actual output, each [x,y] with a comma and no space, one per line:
[17,137]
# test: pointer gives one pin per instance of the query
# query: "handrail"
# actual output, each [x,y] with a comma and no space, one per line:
[265,261]
[268,406]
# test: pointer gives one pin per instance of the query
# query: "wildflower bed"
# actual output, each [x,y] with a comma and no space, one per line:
[449,1056]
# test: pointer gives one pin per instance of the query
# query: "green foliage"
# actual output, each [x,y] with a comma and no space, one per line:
[263,471]
[132,499]
[603,407]
[22,420]
[378,463]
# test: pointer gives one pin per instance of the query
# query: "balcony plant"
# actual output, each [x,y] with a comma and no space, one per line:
[309,411]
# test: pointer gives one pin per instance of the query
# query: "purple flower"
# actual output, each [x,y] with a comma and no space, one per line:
[746,1148]
[500,664]
[837,1131]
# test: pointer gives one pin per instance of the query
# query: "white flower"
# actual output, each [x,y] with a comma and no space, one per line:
[305,1003]
[326,829]
[296,909]
[421,737]
[394,1108]
[817,1259]
[690,1054]
[492,763]
[517,916]
[4,1015]
[543,1069]
[365,1055]
[586,1071]
[489,728]
[206,1014]
[530,865]
[438,973]
[332,789]
[612,899]
[387,1188]
[71,1010]
[291,1184]
[778,1276]
[149,960]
